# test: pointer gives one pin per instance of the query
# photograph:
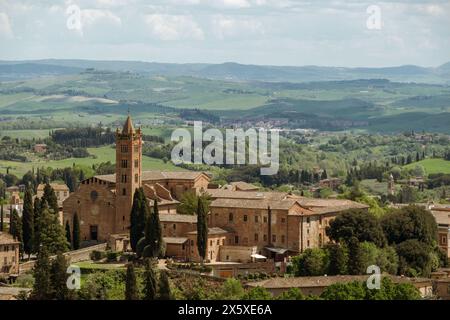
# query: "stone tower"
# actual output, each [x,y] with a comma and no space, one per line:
[128,172]
[391,186]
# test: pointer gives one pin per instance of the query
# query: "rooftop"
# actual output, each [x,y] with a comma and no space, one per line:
[55,186]
[6,238]
[167,217]
[254,203]
[258,195]
[175,240]
[158,175]
[244,186]
[213,231]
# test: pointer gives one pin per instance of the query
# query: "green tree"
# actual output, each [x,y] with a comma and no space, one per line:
[137,224]
[292,294]
[51,233]
[58,277]
[202,230]
[28,222]
[15,229]
[151,245]
[338,257]
[68,234]
[164,287]
[257,293]
[42,287]
[76,239]
[312,262]
[356,264]
[358,224]
[415,258]
[231,290]
[51,199]
[344,291]
[131,289]
[36,217]
[189,203]
[149,280]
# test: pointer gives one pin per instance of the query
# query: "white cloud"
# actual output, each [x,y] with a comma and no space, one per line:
[229,27]
[5,26]
[173,27]
[92,16]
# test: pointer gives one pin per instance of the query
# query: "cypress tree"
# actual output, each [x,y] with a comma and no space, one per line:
[202,230]
[131,290]
[42,287]
[135,225]
[28,222]
[36,219]
[15,229]
[149,281]
[58,278]
[76,232]
[356,261]
[50,197]
[68,234]
[1,215]
[164,287]
[156,241]
[51,233]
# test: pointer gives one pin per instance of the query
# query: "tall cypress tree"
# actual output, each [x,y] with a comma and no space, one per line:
[51,233]
[15,229]
[68,234]
[164,287]
[42,287]
[50,197]
[28,222]
[157,240]
[135,224]
[76,232]
[131,290]
[36,219]
[1,215]
[202,230]
[58,278]
[149,281]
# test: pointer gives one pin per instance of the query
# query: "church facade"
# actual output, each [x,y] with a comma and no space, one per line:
[103,203]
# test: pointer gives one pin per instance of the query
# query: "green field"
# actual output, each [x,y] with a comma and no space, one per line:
[26,134]
[432,165]
[99,155]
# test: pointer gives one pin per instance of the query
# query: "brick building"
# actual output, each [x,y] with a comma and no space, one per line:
[9,256]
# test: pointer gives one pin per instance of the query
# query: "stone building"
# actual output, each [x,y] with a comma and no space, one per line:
[61,191]
[103,203]
[9,256]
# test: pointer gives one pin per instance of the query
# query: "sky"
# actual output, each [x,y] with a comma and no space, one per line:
[346,33]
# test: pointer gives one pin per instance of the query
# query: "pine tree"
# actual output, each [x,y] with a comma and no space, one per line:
[149,281]
[164,287]
[76,241]
[50,197]
[131,290]
[51,233]
[42,287]
[202,230]
[28,222]
[68,234]
[36,218]
[58,278]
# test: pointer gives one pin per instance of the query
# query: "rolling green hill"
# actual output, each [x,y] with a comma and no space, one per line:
[432,165]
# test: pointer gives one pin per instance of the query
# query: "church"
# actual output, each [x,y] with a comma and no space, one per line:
[103,203]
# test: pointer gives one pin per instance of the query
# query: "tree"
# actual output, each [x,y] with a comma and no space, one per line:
[202,230]
[42,287]
[151,245]
[51,233]
[15,229]
[338,257]
[58,277]
[76,232]
[357,224]
[149,280]
[324,174]
[68,234]
[257,293]
[164,287]
[36,217]
[356,264]
[312,262]
[344,291]
[51,199]
[415,258]
[231,290]
[131,290]
[189,203]
[291,294]
[411,222]
[28,222]
[138,216]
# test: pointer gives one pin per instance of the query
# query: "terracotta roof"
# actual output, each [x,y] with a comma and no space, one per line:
[158,175]
[167,217]
[324,281]
[244,186]
[212,231]
[55,186]
[128,126]
[6,238]
[254,204]
[314,202]
[230,194]
[441,216]
[175,240]
[333,209]
[107,177]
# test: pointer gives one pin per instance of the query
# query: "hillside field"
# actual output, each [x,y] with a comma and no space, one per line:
[432,165]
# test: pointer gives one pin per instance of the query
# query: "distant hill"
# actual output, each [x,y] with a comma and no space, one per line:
[231,71]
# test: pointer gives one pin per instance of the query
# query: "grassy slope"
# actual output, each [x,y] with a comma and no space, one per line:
[432,165]
[102,154]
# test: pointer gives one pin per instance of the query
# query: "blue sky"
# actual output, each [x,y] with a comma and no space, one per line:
[274,32]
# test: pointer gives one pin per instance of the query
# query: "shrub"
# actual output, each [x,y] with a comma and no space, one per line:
[97,255]
[111,256]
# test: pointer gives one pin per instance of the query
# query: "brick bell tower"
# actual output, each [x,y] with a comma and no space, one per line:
[128,172]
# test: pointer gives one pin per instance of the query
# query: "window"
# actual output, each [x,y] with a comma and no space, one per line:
[192,242]
[236,239]
[136,178]
[307,243]
[274,238]
[282,239]
[123,218]
[443,240]
[124,163]
[124,148]
[230,216]
[256,237]
[320,220]
[265,237]
[164,225]
[210,243]
[307,220]
[283,220]
[174,226]
[265,219]
[124,178]
[124,192]
[245,218]
[256,219]
[307,231]
[136,163]
[218,242]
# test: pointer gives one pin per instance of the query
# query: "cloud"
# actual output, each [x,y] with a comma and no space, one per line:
[229,27]
[5,27]
[92,16]
[173,27]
